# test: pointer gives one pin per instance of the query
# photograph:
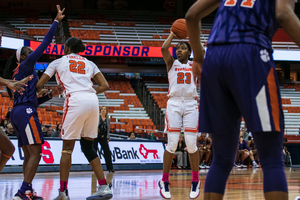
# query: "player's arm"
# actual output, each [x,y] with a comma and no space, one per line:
[15,85]
[287,19]
[193,23]
[43,80]
[101,82]
[34,56]
[168,58]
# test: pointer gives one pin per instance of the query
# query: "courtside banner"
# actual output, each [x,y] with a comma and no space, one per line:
[101,50]
[123,152]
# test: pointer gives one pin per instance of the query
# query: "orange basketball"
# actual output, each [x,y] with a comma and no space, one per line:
[179,28]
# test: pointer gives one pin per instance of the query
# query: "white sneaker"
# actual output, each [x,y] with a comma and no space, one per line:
[255,165]
[164,189]
[63,195]
[207,167]
[243,165]
[201,166]
[195,190]
[104,192]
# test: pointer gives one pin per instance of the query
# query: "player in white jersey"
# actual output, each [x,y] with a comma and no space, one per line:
[81,112]
[182,110]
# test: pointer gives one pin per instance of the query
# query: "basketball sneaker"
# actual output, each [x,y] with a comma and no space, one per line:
[22,196]
[104,192]
[195,190]
[243,166]
[62,195]
[34,195]
[164,189]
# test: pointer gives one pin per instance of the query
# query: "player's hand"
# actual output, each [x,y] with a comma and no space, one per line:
[43,92]
[197,70]
[17,85]
[57,91]
[60,12]
[173,34]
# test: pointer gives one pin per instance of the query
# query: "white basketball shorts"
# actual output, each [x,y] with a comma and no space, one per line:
[181,112]
[81,116]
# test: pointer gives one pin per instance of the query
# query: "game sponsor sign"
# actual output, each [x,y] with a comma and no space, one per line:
[122,152]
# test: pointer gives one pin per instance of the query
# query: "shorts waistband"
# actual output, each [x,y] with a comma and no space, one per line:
[182,98]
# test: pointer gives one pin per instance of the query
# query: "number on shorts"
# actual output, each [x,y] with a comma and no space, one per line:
[245,3]
[77,67]
[181,75]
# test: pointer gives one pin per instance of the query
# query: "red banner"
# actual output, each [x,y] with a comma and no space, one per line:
[100,50]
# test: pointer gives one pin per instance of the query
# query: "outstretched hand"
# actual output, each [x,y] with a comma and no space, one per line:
[60,12]
[57,90]
[17,85]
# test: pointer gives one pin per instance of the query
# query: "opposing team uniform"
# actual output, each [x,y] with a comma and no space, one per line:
[81,107]
[182,106]
[24,116]
[239,76]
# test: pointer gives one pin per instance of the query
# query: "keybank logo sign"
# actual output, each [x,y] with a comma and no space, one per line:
[135,152]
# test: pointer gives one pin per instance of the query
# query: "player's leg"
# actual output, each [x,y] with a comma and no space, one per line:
[6,149]
[220,116]
[89,132]
[269,147]
[190,123]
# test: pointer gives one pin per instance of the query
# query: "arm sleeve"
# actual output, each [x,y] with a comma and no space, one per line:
[51,69]
[43,99]
[35,55]
[108,127]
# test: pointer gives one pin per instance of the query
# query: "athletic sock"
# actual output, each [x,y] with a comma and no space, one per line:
[63,185]
[26,186]
[165,177]
[195,176]
[102,182]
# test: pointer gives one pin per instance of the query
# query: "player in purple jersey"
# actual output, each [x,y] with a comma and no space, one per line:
[24,117]
[6,147]
[238,78]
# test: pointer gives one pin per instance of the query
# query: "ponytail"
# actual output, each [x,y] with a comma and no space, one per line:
[11,64]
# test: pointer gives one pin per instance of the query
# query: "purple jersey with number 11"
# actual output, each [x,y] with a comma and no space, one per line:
[245,21]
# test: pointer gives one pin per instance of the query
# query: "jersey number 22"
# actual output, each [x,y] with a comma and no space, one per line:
[245,3]
[77,67]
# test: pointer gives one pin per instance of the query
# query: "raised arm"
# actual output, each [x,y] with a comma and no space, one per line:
[287,19]
[34,56]
[168,58]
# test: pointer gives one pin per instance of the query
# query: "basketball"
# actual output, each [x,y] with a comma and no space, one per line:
[179,28]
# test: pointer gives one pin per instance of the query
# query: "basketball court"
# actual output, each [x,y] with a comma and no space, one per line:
[243,184]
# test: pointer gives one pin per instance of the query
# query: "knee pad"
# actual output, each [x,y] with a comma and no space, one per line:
[190,141]
[173,138]
[88,149]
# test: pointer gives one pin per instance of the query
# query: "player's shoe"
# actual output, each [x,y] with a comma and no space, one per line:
[164,189]
[22,196]
[243,166]
[207,167]
[34,196]
[202,166]
[195,190]
[104,192]
[62,195]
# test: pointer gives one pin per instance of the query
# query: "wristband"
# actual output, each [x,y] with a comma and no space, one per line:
[56,21]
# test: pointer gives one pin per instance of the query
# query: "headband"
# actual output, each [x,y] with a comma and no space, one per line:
[18,54]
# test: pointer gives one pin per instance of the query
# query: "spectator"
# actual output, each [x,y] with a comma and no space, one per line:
[8,113]
[286,154]
[131,136]
[103,137]
[181,153]
[244,133]
[45,131]
[50,131]
[204,145]
[252,146]
[4,123]
[57,131]
[10,130]
[243,152]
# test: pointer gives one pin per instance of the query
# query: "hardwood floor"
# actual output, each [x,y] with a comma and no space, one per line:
[243,184]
